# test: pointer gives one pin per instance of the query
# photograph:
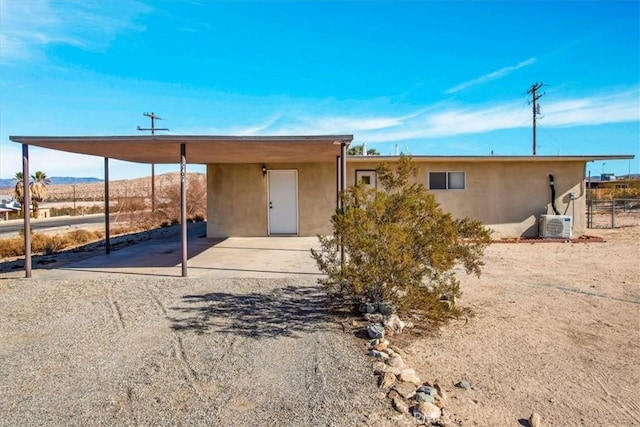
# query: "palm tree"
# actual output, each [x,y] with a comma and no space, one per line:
[18,191]
[38,190]
[358,150]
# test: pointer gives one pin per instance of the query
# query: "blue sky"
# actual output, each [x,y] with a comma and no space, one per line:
[429,77]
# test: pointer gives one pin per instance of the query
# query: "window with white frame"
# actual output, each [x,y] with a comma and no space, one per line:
[368,177]
[447,180]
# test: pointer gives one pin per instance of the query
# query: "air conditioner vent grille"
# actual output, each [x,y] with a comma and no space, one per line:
[555,226]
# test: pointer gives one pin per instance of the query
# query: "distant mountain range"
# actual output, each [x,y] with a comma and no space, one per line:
[56,180]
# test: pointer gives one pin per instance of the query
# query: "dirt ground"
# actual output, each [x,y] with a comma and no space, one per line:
[556,331]
[158,351]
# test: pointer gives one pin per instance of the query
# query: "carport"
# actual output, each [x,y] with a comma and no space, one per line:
[184,149]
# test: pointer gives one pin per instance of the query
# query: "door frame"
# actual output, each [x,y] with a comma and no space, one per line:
[297,232]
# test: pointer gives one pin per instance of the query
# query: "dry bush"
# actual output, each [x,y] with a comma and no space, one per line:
[123,229]
[12,247]
[400,247]
[136,210]
[79,210]
[82,236]
[131,204]
[48,244]
[42,243]
[168,202]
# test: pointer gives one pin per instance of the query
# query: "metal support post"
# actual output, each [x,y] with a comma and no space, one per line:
[183,205]
[26,209]
[107,219]
[343,183]
[613,213]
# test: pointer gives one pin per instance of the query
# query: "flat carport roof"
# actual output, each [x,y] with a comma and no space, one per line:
[183,149]
[200,149]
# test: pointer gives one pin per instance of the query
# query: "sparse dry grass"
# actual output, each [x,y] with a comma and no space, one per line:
[51,243]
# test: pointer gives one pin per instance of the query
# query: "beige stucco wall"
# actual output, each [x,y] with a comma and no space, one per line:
[237,198]
[508,197]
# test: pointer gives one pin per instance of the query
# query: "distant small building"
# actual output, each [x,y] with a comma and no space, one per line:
[43,213]
[7,206]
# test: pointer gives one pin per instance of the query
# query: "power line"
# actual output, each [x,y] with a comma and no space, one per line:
[153,130]
[535,108]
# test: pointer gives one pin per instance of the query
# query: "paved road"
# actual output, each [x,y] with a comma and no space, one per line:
[13,227]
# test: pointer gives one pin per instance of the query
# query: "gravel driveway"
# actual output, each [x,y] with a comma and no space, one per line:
[143,350]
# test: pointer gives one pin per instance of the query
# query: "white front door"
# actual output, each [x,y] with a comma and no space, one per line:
[283,202]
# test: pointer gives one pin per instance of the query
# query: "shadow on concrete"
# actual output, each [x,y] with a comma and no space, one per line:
[250,270]
[122,272]
[285,312]
[155,248]
[158,251]
[257,248]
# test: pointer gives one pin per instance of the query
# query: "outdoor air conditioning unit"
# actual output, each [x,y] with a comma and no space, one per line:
[555,226]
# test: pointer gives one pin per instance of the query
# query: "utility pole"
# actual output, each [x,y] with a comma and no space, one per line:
[153,130]
[535,108]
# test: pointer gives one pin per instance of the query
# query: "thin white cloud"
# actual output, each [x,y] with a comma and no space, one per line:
[490,76]
[610,108]
[426,125]
[27,27]
[443,120]
[257,129]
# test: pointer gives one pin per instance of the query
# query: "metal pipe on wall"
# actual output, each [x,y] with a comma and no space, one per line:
[343,183]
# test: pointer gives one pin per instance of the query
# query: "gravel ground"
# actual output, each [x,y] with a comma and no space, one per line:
[172,351]
[556,331]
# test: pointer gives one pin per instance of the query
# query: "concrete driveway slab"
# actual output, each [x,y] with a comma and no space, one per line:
[235,257]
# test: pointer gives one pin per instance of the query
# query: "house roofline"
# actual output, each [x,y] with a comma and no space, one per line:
[567,158]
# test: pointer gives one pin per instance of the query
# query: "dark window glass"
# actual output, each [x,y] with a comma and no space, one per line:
[437,180]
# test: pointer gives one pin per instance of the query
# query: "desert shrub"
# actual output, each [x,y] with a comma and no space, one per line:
[399,246]
[94,209]
[47,243]
[121,229]
[79,210]
[12,247]
[66,210]
[43,243]
[82,236]
[168,207]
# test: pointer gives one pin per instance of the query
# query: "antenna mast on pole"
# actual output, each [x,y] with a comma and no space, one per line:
[153,127]
[535,108]
[153,130]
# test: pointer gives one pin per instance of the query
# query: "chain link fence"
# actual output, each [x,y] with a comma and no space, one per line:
[615,213]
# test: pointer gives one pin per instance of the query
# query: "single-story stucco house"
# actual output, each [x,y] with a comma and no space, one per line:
[289,185]
[506,193]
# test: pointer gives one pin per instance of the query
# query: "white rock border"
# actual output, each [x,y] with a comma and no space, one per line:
[401,383]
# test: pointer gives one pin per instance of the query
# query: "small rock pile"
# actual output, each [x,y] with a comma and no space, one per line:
[409,395]
[425,401]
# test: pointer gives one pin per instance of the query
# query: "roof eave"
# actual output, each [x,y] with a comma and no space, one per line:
[567,158]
